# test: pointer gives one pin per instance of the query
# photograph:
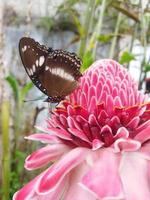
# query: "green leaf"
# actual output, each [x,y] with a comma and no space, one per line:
[146,67]
[77,23]
[87,60]
[46,22]
[14,86]
[104,38]
[25,90]
[126,57]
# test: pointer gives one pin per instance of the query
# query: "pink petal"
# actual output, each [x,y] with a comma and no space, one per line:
[75,191]
[122,132]
[109,104]
[144,135]
[135,176]
[79,134]
[133,123]
[103,178]
[45,138]
[59,170]
[28,191]
[73,123]
[44,155]
[145,151]
[122,145]
[63,134]
[92,104]
[96,144]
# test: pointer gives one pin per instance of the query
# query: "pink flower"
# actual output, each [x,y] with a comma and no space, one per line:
[98,139]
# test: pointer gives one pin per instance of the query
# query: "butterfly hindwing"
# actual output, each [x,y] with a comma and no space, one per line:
[61,73]
[54,72]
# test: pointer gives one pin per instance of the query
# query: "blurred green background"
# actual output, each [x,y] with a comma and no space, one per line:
[94,29]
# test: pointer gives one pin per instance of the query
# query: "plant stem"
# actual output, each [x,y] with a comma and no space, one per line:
[94,42]
[144,41]
[6,149]
[114,40]
[87,24]
[17,124]
[132,41]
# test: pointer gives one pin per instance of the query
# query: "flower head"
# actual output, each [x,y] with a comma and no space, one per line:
[99,139]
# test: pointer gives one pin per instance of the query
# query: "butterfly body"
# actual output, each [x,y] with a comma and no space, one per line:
[54,72]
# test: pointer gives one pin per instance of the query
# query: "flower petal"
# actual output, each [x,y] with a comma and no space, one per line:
[75,191]
[45,138]
[28,191]
[144,151]
[44,155]
[135,176]
[63,134]
[126,145]
[144,135]
[103,178]
[58,171]
[80,134]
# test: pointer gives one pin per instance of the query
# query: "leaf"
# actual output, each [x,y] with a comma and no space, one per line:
[87,60]
[104,38]
[77,23]
[126,57]
[46,22]
[25,90]
[147,67]
[67,4]
[14,86]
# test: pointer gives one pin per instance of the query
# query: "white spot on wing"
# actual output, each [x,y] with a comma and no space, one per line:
[41,60]
[33,68]
[61,73]
[28,70]
[46,68]
[37,63]
[24,48]
[31,72]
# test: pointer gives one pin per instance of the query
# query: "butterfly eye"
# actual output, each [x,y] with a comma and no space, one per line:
[54,72]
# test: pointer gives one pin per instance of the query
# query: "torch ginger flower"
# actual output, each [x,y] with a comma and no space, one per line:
[98,139]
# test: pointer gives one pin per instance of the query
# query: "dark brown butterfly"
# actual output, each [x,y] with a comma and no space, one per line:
[54,72]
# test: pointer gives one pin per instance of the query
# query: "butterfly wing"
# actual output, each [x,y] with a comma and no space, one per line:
[33,56]
[61,73]
[54,72]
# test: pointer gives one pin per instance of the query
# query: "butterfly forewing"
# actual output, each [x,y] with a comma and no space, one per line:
[54,72]
[33,57]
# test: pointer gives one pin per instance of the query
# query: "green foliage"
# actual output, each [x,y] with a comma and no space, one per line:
[126,57]
[46,23]
[18,92]
[77,23]
[17,173]
[87,60]
[14,86]
[25,89]
[5,119]
[146,67]
[104,38]
[69,4]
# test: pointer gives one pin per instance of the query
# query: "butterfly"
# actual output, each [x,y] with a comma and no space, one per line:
[54,72]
